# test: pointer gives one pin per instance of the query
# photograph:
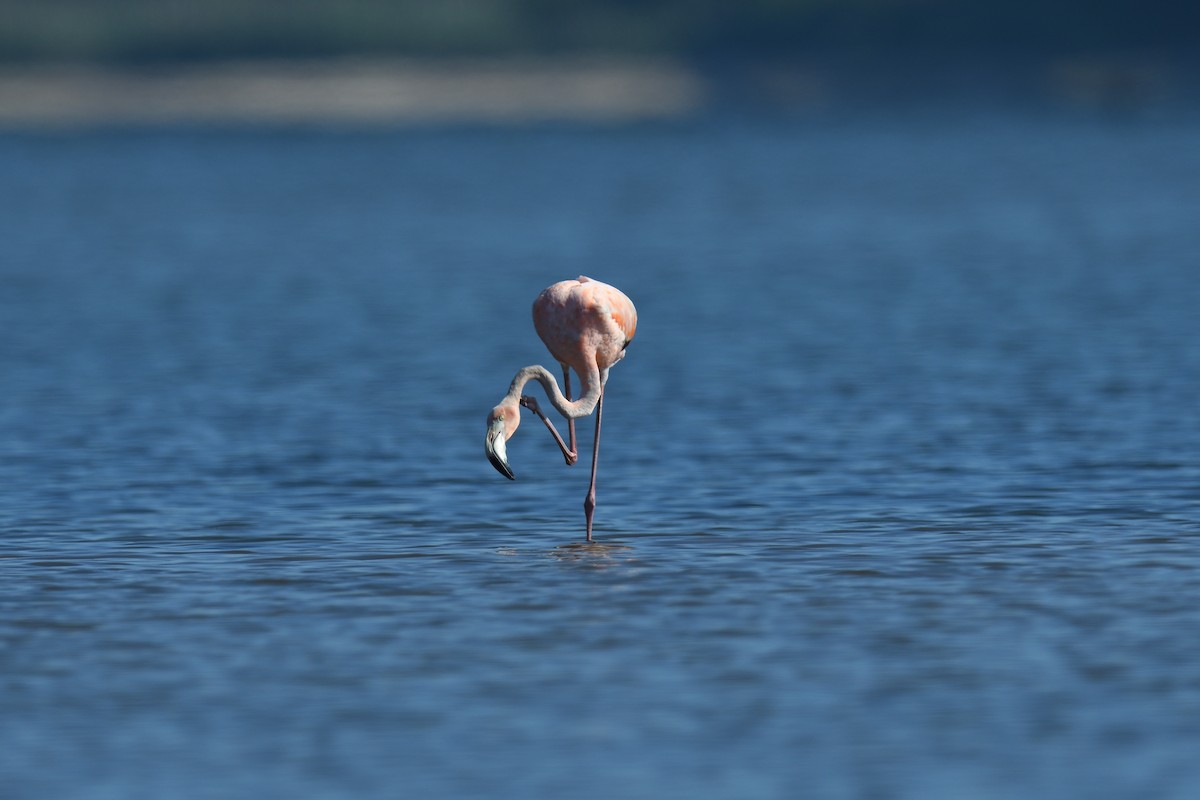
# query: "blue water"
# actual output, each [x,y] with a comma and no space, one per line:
[899,490]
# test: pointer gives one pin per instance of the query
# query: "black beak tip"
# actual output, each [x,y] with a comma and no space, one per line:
[501,466]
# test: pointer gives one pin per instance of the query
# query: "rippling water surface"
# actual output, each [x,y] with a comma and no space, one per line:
[899,489]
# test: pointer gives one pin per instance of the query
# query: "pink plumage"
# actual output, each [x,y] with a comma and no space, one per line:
[586,325]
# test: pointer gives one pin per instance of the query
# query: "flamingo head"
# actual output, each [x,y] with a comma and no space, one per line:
[502,424]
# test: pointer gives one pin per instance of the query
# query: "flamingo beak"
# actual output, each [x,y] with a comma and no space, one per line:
[494,446]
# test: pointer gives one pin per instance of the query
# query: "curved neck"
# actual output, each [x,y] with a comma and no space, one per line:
[592,383]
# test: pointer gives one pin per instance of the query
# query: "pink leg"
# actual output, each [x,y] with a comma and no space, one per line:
[589,502]
[570,422]
[571,455]
[571,452]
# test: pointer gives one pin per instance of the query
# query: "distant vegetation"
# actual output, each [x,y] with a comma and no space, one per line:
[150,31]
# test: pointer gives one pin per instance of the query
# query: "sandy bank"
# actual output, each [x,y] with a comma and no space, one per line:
[359,92]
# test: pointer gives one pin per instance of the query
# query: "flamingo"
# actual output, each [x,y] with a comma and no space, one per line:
[586,325]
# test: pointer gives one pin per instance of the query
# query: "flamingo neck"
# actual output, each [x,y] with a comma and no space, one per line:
[586,404]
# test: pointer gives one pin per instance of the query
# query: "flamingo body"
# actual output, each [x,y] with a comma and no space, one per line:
[586,325]
[584,321]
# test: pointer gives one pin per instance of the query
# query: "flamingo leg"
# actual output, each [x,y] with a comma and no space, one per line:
[589,502]
[570,422]
[570,454]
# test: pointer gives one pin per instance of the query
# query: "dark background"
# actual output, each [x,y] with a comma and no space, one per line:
[149,31]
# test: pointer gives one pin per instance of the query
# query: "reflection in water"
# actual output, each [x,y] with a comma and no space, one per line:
[596,554]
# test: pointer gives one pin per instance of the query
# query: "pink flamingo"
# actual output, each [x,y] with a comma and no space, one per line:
[586,325]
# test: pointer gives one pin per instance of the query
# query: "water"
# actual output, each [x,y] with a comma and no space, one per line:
[899,490]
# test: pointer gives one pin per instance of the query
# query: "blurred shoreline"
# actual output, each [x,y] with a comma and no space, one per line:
[367,92]
[391,92]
